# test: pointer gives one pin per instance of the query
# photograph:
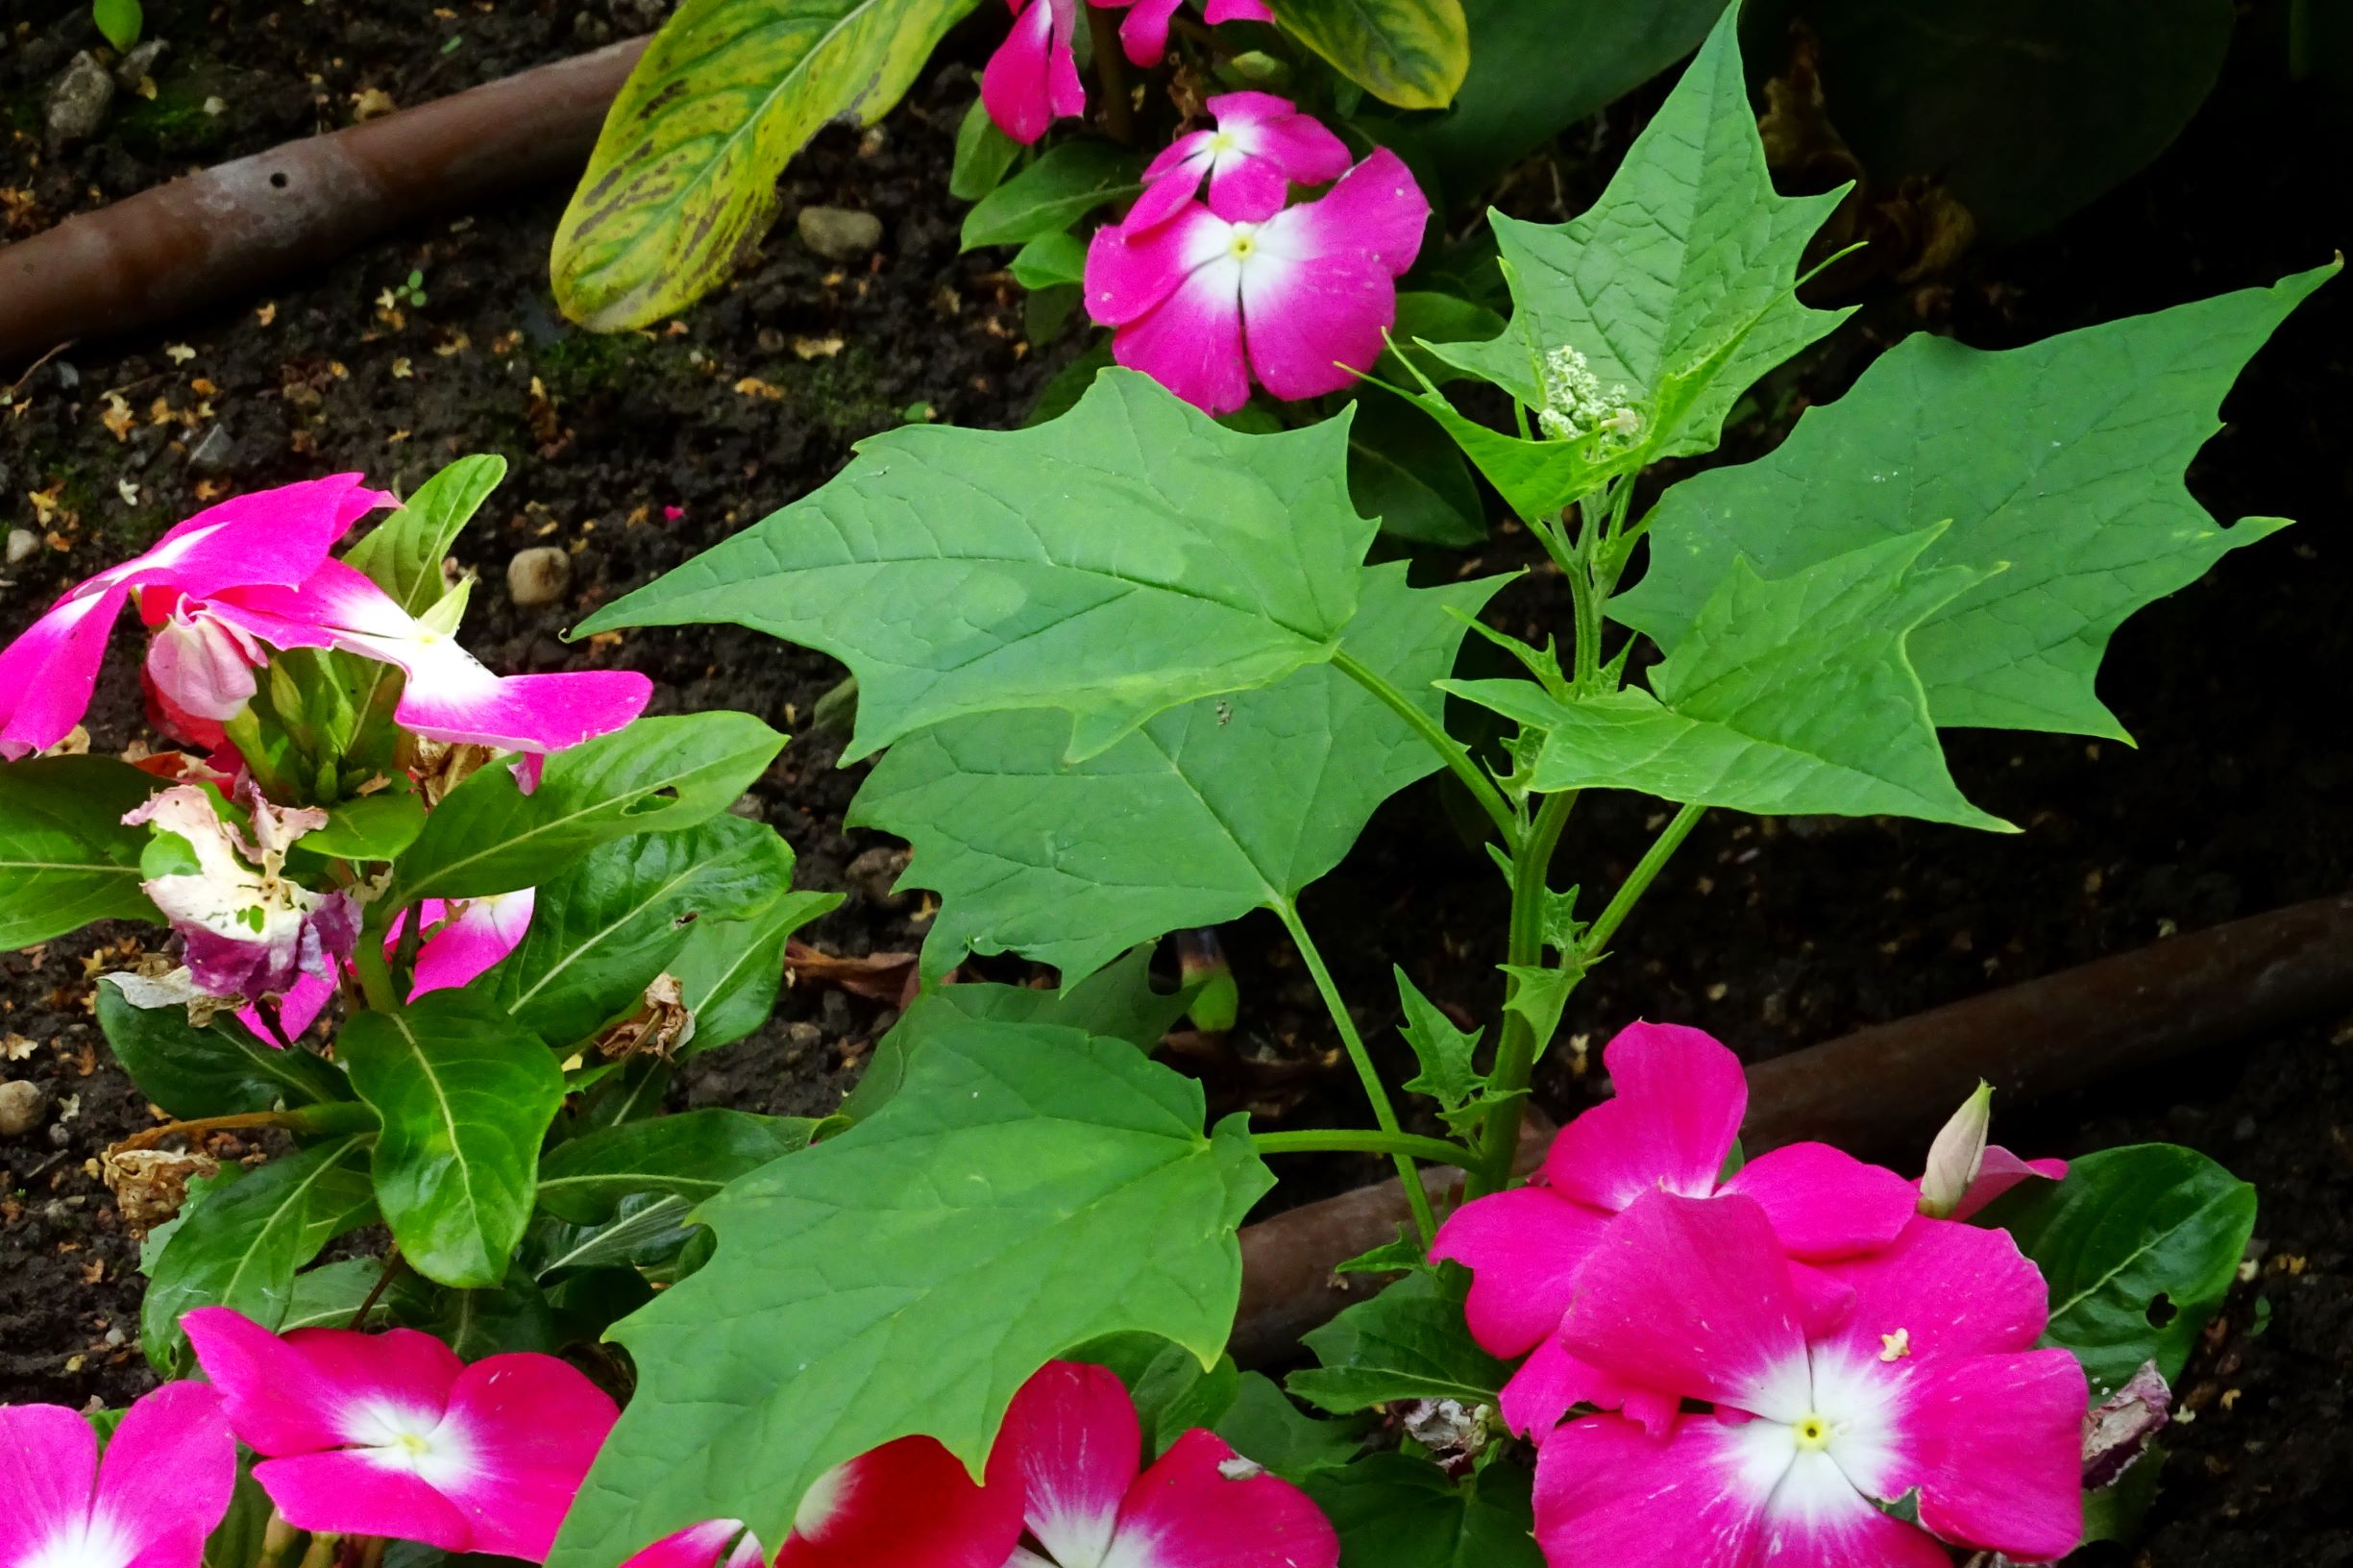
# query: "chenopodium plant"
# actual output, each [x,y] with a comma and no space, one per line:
[1128,671]
[448,930]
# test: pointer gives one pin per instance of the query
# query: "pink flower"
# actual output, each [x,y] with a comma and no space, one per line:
[246,929]
[1262,147]
[1680,1097]
[1074,1440]
[274,536]
[465,937]
[1929,1389]
[1032,80]
[164,1484]
[448,696]
[1201,303]
[393,1434]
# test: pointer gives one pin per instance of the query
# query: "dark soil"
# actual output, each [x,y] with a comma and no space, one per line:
[633,452]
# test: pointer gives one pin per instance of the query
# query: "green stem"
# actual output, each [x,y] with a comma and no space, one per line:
[1646,871]
[1452,751]
[1515,1054]
[374,975]
[1342,1140]
[1110,70]
[1424,1221]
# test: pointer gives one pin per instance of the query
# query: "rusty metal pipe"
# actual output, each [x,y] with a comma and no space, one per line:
[1883,1089]
[228,230]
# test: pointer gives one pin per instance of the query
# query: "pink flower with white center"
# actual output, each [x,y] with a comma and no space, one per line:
[1262,147]
[448,696]
[1302,300]
[246,929]
[1032,80]
[1075,1442]
[1680,1097]
[273,536]
[393,1434]
[1929,1389]
[163,1485]
[715,1543]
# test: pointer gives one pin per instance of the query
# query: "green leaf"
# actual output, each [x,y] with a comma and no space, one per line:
[729,971]
[1396,1512]
[511,1318]
[982,155]
[1537,479]
[1173,1392]
[1539,994]
[1793,697]
[330,1297]
[2140,1245]
[370,827]
[1208,812]
[655,776]
[1049,259]
[1408,1342]
[1116,1002]
[215,1071]
[403,554]
[1069,181]
[1060,395]
[1029,1189]
[2061,461]
[1410,53]
[235,1542]
[683,178]
[465,1096]
[119,22]
[1687,250]
[1263,1424]
[240,1246]
[66,857]
[1405,470]
[1234,561]
[692,1154]
[1447,1054]
[603,930]
[646,1230]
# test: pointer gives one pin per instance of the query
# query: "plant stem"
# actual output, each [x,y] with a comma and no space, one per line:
[1456,755]
[341,1116]
[393,1263]
[1515,1054]
[1638,881]
[1342,1140]
[1110,71]
[1424,1221]
[374,975]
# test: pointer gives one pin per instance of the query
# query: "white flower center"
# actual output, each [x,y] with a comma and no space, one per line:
[1244,243]
[93,1542]
[423,1443]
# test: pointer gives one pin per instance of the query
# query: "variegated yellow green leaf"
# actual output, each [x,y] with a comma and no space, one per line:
[1410,53]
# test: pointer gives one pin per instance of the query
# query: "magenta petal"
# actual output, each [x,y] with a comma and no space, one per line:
[1551,1381]
[1165,195]
[2000,1170]
[1073,1437]
[1824,1300]
[302,1392]
[532,1426]
[1692,1295]
[1131,270]
[908,1504]
[1679,1099]
[297,1010]
[1200,1507]
[1825,1203]
[1994,1443]
[1237,11]
[168,1475]
[48,1462]
[1143,37]
[453,701]
[707,1545]
[1523,1248]
[352,1495]
[1247,190]
[1610,1496]
[48,674]
[1376,208]
[1192,342]
[1313,321]
[272,537]
[1016,83]
[1948,1289]
[482,932]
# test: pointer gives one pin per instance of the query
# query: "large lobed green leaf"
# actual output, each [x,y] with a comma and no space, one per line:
[1028,1189]
[655,776]
[692,1154]
[683,178]
[2140,1245]
[1688,260]
[1410,53]
[1129,556]
[1209,811]
[2060,462]
[66,857]
[464,1095]
[1791,696]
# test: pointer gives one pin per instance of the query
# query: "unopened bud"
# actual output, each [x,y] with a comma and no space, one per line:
[201,665]
[1955,1156]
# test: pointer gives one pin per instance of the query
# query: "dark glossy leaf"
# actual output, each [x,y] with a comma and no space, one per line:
[1405,470]
[1396,1512]
[729,971]
[1070,180]
[370,827]
[403,554]
[1263,1424]
[1408,1342]
[692,1154]
[215,1071]
[982,155]
[66,857]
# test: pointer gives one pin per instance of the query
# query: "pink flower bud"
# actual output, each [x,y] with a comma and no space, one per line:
[1956,1154]
[201,665]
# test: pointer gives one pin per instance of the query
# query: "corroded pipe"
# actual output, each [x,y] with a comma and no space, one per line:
[228,230]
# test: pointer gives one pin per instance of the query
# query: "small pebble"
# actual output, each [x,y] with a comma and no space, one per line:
[79,102]
[140,64]
[22,1106]
[538,575]
[839,233]
[871,874]
[23,545]
[215,451]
